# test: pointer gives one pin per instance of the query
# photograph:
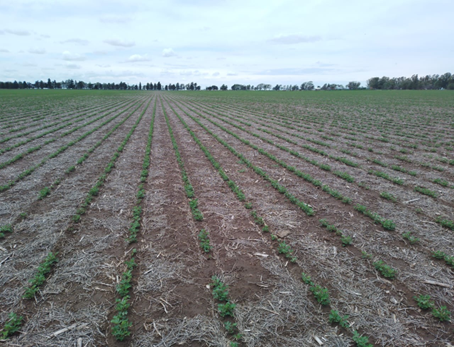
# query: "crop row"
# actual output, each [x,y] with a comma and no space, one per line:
[31,169]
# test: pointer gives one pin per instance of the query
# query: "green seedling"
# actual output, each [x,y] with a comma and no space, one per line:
[346,240]
[335,317]
[12,325]
[43,193]
[230,327]
[424,301]
[321,294]
[226,309]
[386,270]
[410,238]
[204,241]
[442,313]
[361,341]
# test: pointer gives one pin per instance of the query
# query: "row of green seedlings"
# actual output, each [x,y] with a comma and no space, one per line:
[203,235]
[423,164]
[284,124]
[345,239]
[29,114]
[20,121]
[61,120]
[94,191]
[324,121]
[23,154]
[33,149]
[316,150]
[292,169]
[274,183]
[120,321]
[31,169]
[445,222]
[193,202]
[425,302]
[283,248]
[225,309]
[47,190]
[7,149]
[14,322]
[137,210]
[384,269]
[394,167]
[400,181]
[386,223]
[322,166]
[321,294]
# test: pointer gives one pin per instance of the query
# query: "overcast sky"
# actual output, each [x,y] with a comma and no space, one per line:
[224,41]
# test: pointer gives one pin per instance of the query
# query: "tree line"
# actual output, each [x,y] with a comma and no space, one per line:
[445,81]
[73,84]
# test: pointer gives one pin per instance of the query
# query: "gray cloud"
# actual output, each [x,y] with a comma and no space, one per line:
[68,56]
[37,51]
[117,19]
[120,43]
[137,58]
[73,66]
[295,71]
[168,52]
[2,50]
[18,32]
[78,41]
[293,39]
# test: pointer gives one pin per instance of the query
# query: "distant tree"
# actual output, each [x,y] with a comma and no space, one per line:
[140,85]
[158,87]
[277,87]
[224,87]
[373,83]
[353,85]
[238,87]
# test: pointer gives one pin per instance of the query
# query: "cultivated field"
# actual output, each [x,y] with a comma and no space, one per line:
[226,218]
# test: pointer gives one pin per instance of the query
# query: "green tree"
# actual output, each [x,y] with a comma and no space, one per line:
[353,85]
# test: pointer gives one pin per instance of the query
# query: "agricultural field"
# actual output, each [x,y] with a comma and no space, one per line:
[226,218]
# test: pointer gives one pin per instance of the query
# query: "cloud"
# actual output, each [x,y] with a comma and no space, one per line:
[101,65]
[115,19]
[293,39]
[29,64]
[73,66]
[2,50]
[136,58]
[215,74]
[168,52]
[78,41]
[68,56]
[2,32]
[232,74]
[37,51]
[45,36]
[18,32]
[120,43]
[296,71]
